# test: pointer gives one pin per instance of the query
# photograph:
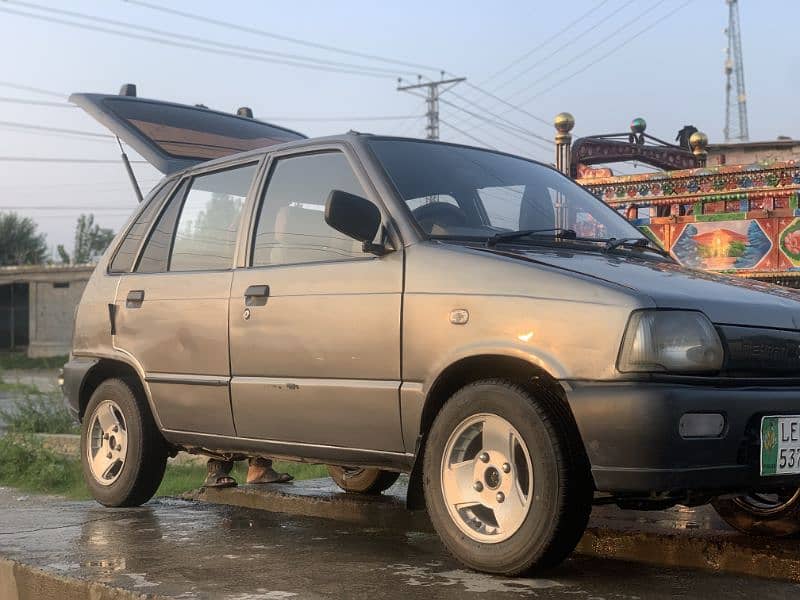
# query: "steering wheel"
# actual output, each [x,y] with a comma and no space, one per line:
[442,214]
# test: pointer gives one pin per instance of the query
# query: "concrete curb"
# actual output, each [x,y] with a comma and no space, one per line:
[22,582]
[670,539]
[771,559]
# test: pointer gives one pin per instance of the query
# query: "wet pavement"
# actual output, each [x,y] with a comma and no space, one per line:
[191,550]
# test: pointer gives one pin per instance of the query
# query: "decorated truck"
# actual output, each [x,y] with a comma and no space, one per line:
[738,219]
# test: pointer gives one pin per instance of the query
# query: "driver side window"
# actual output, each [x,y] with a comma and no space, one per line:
[291,227]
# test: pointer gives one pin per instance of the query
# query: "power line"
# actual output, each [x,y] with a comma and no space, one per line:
[325,119]
[196,39]
[28,88]
[28,101]
[277,36]
[468,135]
[510,124]
[70,208]
[29,126]
[497,145]
[510,105]
[610,52]
[556,35]
[206,49]
[90,161]
[570,43]
[502,126]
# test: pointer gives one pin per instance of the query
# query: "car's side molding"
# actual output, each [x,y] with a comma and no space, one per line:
[183,379]
[297,451]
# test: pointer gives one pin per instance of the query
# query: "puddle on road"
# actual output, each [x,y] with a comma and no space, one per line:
[469,580]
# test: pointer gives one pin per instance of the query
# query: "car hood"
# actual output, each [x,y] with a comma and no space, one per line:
[724,299]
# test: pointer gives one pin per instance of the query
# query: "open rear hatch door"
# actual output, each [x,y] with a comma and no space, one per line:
[174,136]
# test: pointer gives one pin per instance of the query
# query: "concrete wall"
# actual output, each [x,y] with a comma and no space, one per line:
[54,293]
[748,153]
[52,316]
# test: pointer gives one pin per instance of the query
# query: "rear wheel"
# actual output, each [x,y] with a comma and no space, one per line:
[507,484]
[362,481]
[122,451]
[772,515]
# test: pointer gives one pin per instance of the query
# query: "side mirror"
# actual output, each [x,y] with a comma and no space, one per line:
[354,216]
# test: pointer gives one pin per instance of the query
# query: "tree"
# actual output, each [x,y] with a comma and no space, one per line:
[758,245]
[20,244]
[687,249]
[91,241]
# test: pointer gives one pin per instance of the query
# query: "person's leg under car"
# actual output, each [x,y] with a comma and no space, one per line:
[219,473]
[260,471]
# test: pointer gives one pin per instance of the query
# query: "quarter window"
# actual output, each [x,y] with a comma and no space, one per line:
[126,254]
[156,252]
[291,226]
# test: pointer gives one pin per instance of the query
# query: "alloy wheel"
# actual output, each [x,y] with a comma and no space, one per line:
[108,442]
[487,478]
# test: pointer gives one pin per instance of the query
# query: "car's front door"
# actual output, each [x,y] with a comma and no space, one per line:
[315,321]
[172,310]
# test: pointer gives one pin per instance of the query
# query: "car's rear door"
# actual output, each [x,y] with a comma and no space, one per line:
[173,136]
[171,311]
[315,321]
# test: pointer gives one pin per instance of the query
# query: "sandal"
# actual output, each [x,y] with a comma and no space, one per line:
[219,474]
[261,471]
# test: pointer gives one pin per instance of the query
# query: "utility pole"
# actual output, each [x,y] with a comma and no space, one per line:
[432,93]
[734,68]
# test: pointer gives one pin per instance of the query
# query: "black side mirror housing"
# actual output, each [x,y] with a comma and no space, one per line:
[354,216]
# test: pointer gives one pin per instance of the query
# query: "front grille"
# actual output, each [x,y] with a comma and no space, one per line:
[756,352]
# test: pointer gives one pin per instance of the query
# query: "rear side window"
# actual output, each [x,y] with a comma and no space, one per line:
[291,226]
[206,233]
[126,254]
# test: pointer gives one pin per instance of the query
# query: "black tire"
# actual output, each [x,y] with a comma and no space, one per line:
[561,492]
[146,452]
[769,517]
[362,481]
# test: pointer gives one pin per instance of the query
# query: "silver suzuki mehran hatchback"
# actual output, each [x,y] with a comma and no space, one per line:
[393,305]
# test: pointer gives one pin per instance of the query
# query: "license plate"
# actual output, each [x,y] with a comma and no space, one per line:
[780,445]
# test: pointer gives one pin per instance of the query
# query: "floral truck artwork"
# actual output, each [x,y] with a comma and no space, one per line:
[739,219]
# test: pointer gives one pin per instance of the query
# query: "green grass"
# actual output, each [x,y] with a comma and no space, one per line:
[37,412]
[27,465]
[20,360]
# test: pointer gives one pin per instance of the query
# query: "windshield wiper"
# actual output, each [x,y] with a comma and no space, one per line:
[637,242]
[507,236]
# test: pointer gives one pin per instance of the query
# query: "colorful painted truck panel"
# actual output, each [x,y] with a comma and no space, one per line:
[740,219]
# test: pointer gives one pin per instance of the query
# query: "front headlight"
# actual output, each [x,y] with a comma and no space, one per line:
[670,340]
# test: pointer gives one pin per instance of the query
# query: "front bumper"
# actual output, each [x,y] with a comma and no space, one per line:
[73,375]
[630,432]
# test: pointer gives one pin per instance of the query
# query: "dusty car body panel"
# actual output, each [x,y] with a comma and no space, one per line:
[723,299]
[514,308]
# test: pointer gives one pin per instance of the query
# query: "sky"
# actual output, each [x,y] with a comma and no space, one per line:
[605,61]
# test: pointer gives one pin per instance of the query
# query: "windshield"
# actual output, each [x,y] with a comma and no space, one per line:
[457,192]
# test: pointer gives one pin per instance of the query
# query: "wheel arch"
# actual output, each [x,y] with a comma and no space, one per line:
[464,371]
[110,368]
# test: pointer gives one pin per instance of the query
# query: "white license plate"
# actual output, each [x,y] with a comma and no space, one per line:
[780,445]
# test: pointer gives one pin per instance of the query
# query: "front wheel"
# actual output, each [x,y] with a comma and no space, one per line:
[122,451]
[507,484]
[771,515]
[362,481]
